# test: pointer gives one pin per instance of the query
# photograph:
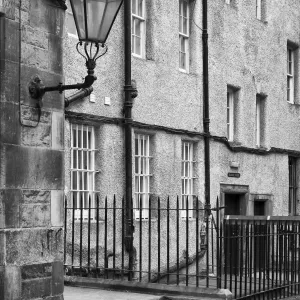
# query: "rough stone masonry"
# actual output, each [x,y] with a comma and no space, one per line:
[31,151]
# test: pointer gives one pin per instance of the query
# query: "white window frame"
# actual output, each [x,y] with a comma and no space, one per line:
[230,114]
[140,21]
[258,9]
[258,123]
[290,75]
[83,169]
[187,178]
[142,176]
[184,36]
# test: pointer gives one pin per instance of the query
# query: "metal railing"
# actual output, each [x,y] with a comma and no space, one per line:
[168,247]
[253,257]
[261,256]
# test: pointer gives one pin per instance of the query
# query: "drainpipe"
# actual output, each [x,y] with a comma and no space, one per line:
[206,127]
[130,94]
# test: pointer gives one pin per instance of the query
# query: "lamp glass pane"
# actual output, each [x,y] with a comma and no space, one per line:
[95,11]
[78,12]
[111,10]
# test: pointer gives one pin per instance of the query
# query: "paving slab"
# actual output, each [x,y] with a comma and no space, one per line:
[82,293]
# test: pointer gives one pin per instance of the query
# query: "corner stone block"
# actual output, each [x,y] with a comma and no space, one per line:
[30,114]
[10,124]
[55,54]
[28,246]
[35,57]
[12,36]
[9,8]
[8,78]
[36,288]
[10,282]
[34,37]
[57,208]
[36,197]
[2,252]
[57,135]
[36,271]
[35,215]
[39,136]
[11,207]
[33,168]
[57,278]
[46,18]
[60,297]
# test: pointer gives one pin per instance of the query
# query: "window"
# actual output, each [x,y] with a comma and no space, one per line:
[142,176]
[259,9]
[230,114]
[183,35]
[292,185]
[260,120]
[187,179]
[290,74]
[82,168]
[138,28]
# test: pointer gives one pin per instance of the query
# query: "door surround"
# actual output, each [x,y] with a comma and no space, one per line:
[242,190]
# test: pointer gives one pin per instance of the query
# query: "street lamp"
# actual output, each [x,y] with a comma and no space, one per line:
[93,19]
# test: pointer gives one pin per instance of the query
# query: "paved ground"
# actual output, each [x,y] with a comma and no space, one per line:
[81,293]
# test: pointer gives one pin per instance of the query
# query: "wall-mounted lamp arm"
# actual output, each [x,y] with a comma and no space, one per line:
[90,52]
[79,95]
[37,89]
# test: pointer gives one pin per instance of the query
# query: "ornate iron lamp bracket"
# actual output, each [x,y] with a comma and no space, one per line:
[91,53]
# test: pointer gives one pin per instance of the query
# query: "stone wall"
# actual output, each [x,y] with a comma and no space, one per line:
[245,53]
[31,151]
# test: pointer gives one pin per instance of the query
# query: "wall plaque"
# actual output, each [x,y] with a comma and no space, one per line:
[236,175]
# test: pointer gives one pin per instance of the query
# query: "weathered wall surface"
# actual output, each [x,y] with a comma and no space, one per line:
[252,55]
[32,156]
[243,52]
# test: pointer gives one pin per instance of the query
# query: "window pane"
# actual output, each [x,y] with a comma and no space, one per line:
[185,9]
[185,26]
[137,46]
[84,139]
[79,138]
[74,181]
[137,27]
[140,8]
[182,45]
[74,153]
[133,6]
[180,23]
[182,61]
[74,137]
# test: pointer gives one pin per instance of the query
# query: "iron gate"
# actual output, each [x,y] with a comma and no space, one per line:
[253,257]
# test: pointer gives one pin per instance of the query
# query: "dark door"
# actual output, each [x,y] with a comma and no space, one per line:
[233,206]
[260,242]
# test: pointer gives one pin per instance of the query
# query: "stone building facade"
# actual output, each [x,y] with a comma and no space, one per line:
[254,105]
[32,151]
[254,113]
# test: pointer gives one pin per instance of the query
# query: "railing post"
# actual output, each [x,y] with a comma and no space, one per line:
[207,209]
[218,246]
[65,230]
